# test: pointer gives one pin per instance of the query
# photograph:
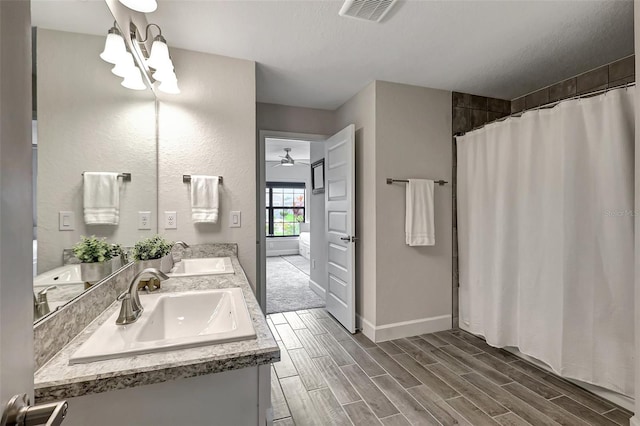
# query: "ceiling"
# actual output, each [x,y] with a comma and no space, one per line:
[309,56]
[274,149]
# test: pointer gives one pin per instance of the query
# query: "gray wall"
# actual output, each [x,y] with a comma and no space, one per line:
[284,118]
[88,122]
[360,110]
[318,232]
[210,129]
[413,140]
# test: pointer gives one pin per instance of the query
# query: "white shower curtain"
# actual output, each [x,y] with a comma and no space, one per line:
[545,231]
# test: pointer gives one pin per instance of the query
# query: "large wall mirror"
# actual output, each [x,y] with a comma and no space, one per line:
[84,121]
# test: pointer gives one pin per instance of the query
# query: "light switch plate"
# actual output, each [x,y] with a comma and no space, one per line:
[235,220]
[170,220]
[144,220]
[67,221]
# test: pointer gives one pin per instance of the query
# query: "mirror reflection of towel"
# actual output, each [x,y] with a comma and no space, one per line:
[419,226]
[204,199]
[101,198]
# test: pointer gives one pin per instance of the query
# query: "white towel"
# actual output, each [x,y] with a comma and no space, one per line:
[204,199]
[419,227]
[101,198]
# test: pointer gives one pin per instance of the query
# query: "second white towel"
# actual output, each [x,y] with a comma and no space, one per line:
[101,198]
[204,199]
[419,226]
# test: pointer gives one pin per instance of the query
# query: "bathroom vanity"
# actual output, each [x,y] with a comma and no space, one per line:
[218,384]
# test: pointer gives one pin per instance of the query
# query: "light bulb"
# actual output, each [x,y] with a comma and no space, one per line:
[144,6]
[133,79]
[113,47]
[159,57]
[124,65]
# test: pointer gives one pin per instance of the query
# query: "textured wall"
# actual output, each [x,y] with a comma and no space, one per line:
[413,131]
[318,229]
[361,111]
[88,122]
[284,118]
[210,129]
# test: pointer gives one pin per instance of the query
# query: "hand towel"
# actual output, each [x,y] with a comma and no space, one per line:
[419,227]
[204,199]
[101,198]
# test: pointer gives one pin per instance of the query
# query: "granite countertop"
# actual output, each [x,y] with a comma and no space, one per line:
[57,379]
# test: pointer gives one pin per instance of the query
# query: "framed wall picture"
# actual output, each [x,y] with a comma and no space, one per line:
[317,176]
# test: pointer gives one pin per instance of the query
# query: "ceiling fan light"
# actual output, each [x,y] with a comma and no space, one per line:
[113,47]
[159,57]
[133,79]
[144,6]
[124,65]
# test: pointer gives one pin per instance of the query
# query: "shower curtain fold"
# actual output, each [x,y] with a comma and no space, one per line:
[545,231]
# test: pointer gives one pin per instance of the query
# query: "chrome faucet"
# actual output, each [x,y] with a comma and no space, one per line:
[181,243]
[41,303]
[131,308]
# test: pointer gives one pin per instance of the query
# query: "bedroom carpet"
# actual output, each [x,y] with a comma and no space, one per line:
[299,262]
[288,287]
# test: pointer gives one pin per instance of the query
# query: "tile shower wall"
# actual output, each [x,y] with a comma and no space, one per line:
[471,111]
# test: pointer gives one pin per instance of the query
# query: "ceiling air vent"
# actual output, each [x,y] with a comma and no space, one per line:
[367,10]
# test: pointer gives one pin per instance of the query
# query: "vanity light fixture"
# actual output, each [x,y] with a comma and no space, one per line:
[114,47]
[158,62]
[144,6]
[124,65]
[133,79]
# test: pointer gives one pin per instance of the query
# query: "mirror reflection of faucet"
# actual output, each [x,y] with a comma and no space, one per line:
[41,303]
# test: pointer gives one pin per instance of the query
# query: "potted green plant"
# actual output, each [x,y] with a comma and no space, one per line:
[118,256]
[154,252]
[95,256]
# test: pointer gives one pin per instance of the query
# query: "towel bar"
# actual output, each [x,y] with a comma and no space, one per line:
[126,177]
[187,179]
[391,180]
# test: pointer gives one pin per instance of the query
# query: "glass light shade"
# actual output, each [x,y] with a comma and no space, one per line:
[159,57]
[166,73]
[124,65]
[113,48]
[170,86]
[144,6]
[133,80]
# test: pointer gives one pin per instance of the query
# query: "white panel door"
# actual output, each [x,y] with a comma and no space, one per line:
[340,226]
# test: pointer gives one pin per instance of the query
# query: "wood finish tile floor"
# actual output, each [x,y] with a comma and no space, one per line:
[328,377]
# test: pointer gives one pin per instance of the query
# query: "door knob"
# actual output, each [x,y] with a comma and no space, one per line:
[349,239]
[18,412]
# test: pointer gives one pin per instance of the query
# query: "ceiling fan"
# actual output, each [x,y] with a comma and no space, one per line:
[287,160]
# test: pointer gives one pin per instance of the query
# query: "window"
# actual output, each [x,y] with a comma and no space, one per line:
[285,208]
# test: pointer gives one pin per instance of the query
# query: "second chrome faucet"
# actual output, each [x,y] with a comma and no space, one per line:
[131,308]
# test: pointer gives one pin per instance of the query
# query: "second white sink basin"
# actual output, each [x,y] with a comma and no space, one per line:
[205,266]
[172,321]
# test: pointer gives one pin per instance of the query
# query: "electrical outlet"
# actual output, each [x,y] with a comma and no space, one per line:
[235,220]
[144,220]
[170,220]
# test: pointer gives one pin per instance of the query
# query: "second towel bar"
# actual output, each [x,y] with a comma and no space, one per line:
[187,179]
[391,180]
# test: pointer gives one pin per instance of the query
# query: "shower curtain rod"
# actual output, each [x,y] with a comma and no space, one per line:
[549,105]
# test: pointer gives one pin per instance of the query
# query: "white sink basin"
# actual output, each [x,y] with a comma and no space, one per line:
[172,321]
[206,266]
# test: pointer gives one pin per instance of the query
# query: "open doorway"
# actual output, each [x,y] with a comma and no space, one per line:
[290,207]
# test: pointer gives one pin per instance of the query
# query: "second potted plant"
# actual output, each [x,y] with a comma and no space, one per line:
[95,256]
[154,252]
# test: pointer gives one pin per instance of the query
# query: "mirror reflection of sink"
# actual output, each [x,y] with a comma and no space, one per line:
[172,321]
[205,266]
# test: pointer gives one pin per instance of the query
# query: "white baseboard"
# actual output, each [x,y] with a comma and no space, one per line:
[289,252]
[317,289]
[398,330]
